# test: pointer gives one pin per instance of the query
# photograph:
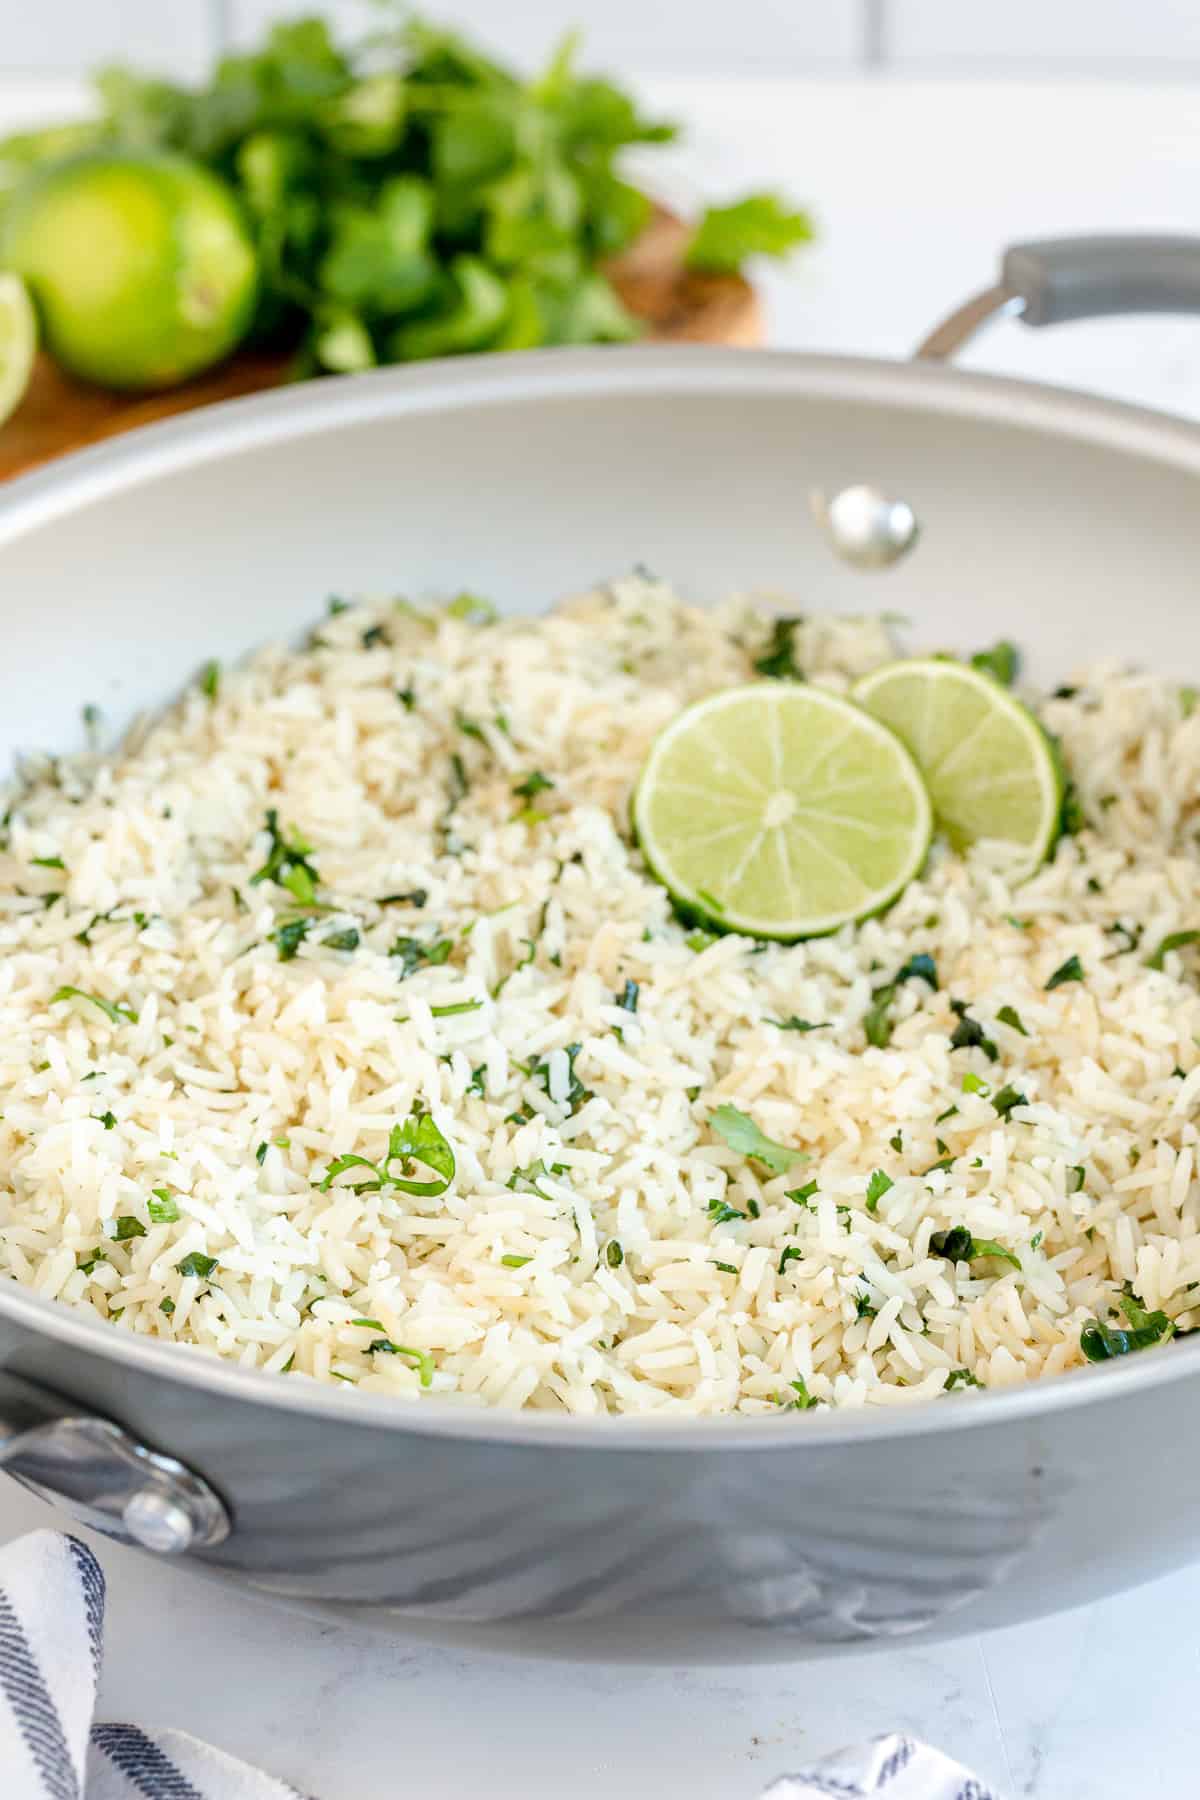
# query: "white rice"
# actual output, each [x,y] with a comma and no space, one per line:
[245,1075]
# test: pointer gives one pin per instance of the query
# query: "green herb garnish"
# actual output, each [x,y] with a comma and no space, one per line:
[342,940]
[1007,1015]
[127,1227]
[802,1195]
[456,1007]
[288,864]
[161,1206]
[1007,1098]
[614,1256]
[1099,1342]
[1175,940]
[919,968]
[210,680]
[968,1033]
[1001,662]
[289,937]
[421,1359]
[803,1401]
[195,1263]
[627,999]
[107,1119]
[777,658]
[793,1253]
[759,225]
[958,1245]
[721,1213]
[417,1140]
[1071,970]
[117,1010]
[515,1262]
[166,1306]
[795,1024]
[48,862]
[742,1134]
[414,954]
[960,1378]
[878,1185]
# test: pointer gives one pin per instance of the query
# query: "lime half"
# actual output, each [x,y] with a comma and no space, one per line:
[990,771]
[780,810]
[18,343]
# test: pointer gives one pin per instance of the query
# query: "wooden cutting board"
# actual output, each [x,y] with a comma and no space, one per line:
[59,413]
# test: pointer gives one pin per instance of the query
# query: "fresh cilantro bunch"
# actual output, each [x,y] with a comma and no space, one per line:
[410,197]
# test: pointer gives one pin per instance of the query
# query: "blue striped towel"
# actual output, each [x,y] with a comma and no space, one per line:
[51,1644]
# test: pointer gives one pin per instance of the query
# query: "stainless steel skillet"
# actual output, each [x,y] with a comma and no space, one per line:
[1068,524]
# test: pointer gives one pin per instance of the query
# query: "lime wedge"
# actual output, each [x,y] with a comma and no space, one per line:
[18,343]
[780,810]
[990,770]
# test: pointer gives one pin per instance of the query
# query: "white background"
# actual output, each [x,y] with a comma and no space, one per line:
[1118,37]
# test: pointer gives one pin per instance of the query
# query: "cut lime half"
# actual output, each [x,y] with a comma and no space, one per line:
[18,343]
[990,770]
[780,810]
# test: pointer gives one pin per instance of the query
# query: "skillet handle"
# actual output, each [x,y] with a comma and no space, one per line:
[103,1476]
[1055,280]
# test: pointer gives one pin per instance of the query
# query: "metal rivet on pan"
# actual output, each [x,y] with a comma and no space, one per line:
[157,1522]
[864,527]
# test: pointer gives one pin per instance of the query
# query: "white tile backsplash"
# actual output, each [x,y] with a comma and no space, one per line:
[1105,36]
[48,36]
[715,37]
[679,36]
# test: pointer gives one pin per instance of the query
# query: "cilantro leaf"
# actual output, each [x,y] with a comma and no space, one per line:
[759,225]
[742,1134]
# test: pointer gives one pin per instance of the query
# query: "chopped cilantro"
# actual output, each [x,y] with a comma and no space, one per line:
[803,1401]
[515,1262]
[375,635]
[877,1023]
[627,999]
[414,954]
[407,696]
[960,1378]
[863,1308]
[802,1195]
[1076,1176]
[878,1185]
[1175,940]
[700,940]
[968,1033]
[166,1305]
[1007,1098]
[795,1024]
[87,1263]
[117,1011]
[897,1143]
[947,1114]
[1008,1015]
[1001,662]
[418,1140]
[958,1245]
[1035,1242]
[260,1155]
[1071,970]
[478,1082]
[975,1084]
[777,658]
[742,1134]
[289,937]
[107,1119]
[342,940]
[721,1213]
[195,1263]
[48,862]
[414,897]
[1187,701]
[727,1268]
[421,1359]
[161,1206]
[210,680]
[614,1256]
[1099,1342]
[288,864]
[534,783]
[576,1092]
[453,1009]
[919,968]
[472,609]
[127,1227]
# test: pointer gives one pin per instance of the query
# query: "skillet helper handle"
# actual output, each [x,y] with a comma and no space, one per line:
[1052,281]
[103,1476]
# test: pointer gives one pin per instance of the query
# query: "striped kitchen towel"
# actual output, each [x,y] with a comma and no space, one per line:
[51,1644]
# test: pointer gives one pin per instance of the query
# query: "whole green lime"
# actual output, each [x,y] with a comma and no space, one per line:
[141,266]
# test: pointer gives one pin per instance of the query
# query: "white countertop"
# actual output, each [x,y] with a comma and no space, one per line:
[917,187]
